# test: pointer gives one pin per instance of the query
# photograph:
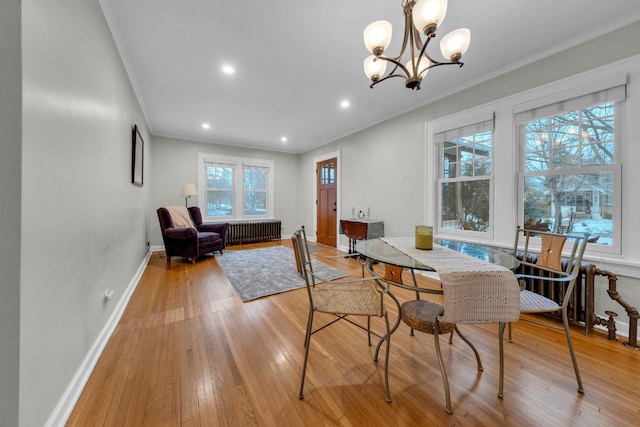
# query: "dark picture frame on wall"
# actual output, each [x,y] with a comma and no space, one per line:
[137,155]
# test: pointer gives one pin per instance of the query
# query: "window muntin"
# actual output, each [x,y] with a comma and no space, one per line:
[327,173]
[465,177]
[569,171]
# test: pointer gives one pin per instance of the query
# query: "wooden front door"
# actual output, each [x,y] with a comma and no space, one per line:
[327,175]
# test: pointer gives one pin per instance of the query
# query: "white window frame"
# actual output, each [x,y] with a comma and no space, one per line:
[615,168]
[458,121]
[238,185]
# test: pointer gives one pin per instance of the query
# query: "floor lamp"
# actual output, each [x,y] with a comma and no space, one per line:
[188,190]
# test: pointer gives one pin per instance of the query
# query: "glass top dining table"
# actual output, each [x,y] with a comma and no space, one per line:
[378,250]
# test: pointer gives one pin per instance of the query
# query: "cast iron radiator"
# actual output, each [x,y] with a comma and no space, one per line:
[581,310]
[253,231]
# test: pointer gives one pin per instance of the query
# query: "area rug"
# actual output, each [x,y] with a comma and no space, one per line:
[256,273]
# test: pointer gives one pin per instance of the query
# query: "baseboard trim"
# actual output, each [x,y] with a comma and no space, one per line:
[67,402]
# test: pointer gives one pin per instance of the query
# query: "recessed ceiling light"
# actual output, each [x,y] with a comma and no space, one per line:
[284,139]
[344,104]
[206,126]
[228,69]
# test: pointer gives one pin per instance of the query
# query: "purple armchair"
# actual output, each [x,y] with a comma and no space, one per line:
[191,242]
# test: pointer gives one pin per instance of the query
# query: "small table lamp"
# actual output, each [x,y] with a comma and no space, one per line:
[188,190]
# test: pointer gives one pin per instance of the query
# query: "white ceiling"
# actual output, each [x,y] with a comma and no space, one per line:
[296,60]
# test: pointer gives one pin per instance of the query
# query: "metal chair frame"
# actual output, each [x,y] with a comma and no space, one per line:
[431,325]
[567,277]
[303,259]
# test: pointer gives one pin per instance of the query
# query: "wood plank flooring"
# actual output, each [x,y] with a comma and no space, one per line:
[189,352]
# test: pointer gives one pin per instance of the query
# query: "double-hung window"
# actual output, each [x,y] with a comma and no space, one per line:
[569,165]
[465,179]
[235,187]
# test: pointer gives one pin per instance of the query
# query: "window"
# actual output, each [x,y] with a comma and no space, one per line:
[235,188]
[465,157]
[219,189]
[569,165]
[255,190]
[327,173]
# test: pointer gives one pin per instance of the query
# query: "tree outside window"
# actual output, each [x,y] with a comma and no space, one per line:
[569,171]
[465,177]
[255,190]
[219,189]
[236,188]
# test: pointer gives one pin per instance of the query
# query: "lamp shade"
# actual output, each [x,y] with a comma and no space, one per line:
[455,44]
[374,68]
[428,15]
[189,190]
[377,36]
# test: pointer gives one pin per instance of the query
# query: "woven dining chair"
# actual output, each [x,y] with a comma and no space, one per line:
[342,298]
[424,316]
[553,271]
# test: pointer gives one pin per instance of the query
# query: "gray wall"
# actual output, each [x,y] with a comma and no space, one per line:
[84,225]
[10,149]
[175,162]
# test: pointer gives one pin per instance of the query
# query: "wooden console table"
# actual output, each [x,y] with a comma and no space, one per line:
[360,229]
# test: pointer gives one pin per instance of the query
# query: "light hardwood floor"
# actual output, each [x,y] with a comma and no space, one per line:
[188,352]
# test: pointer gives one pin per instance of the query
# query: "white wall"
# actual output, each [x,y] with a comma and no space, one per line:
[10,149]
[84,225]
[175,162]
[383,167]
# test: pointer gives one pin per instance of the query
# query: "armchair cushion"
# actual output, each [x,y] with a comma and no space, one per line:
[180,217]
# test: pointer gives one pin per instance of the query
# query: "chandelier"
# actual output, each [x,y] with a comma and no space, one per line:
[420,17]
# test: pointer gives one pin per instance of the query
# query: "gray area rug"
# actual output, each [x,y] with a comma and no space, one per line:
[256,273]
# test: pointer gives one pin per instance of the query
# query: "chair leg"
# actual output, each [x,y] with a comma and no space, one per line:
[386,358]
[445,380]
[369,330]
[565,320]
[309,322]
[501,350]
[470,344]
[307,341]
[509,337]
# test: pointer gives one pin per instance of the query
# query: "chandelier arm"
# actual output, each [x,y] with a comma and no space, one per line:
[385,78]
[397,64]
[437,64]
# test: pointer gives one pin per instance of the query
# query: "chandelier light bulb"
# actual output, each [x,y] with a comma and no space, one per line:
[423,67]
[374,68]
[377,36]
[428,15]
[455,44]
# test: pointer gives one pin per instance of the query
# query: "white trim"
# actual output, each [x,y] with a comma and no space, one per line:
[69,398]
[458,121]
[593,86]
[238,202]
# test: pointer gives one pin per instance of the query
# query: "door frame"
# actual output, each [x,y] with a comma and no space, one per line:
[321,158]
